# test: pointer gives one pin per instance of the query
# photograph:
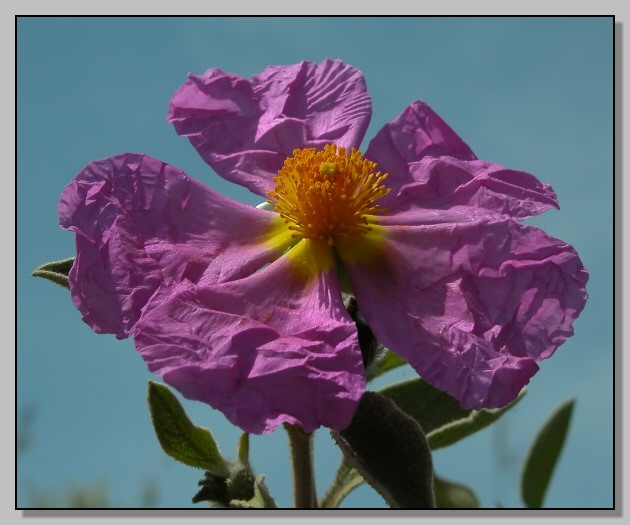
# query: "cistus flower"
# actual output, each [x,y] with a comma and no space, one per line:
[241,307]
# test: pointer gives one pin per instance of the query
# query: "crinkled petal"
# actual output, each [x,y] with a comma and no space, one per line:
[142,224]
[429,166]
[275,347]
[472,300]
[246,129]
[246,251]
[416,133]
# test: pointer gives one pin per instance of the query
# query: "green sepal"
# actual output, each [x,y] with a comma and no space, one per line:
[213,489]
[376,358]
[390,451]
[451,495]
[56,271]
[238,490]
[179,437]
[260,500]
[543,455]
[367,342]
[439,414]
[240,484]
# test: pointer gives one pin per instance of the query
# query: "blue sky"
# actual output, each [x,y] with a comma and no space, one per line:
[534,94]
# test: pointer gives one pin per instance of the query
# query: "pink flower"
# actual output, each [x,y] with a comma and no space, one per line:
[241,307]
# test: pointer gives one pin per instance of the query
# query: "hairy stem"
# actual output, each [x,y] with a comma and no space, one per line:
[301,445]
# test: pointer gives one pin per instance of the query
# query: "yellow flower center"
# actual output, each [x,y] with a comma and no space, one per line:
[329,194]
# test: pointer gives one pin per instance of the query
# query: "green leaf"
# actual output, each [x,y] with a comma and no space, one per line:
[56,271]
[177,435]
[451,495]
[431,407]
[390,451]
[385,361]
[439,414]
[260,500]
[543,455]
[475,421]
[346,480]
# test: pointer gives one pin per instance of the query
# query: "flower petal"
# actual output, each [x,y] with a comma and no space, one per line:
[471,300]
[277,346]
[431,167]
[142,224]
[416,133]
[245,129]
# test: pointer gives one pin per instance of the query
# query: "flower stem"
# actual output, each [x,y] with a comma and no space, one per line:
[301,445]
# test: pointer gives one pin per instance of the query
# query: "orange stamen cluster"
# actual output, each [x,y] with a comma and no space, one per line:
[329,194]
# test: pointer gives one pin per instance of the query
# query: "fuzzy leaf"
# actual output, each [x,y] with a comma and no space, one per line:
[477,420]
[56,271]
[390,451]
[346,480]
[438,413]
[543,455]
[178,436]
[451,495]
